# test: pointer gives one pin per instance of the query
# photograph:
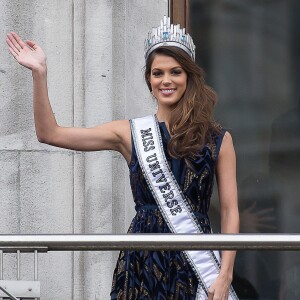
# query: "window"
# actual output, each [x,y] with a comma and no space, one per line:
[250,51]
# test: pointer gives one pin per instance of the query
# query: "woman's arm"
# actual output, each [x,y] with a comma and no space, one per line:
[110,136]
[227,188]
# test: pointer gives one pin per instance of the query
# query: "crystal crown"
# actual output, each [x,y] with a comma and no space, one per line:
[168,34]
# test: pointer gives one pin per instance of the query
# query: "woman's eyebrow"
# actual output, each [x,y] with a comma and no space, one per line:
[177,67]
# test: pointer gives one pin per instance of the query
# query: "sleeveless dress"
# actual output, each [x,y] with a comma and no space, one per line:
[165,275]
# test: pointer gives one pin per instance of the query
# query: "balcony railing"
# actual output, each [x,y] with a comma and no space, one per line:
[111,242]
[19,289]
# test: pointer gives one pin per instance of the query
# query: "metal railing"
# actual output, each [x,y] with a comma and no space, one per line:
[24,289]
[111,242]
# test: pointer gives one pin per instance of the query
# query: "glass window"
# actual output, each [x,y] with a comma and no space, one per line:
[250,51]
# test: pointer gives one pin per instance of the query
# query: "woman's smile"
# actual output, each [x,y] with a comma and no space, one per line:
[167,92]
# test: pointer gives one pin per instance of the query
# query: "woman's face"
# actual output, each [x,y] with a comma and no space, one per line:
[168,80]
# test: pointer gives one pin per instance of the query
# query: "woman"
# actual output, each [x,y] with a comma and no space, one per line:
[194,148]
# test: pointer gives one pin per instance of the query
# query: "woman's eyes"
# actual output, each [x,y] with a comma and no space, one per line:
[176,72]
[157,74]
[173,72]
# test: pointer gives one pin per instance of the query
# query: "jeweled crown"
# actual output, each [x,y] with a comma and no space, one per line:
[168,34]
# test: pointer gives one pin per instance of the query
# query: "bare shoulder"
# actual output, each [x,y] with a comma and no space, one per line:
[226,164]
[227,148]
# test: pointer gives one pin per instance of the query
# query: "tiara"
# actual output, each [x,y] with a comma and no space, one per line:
[168,34]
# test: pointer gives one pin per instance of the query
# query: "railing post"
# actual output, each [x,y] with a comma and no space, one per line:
[35,267]
[1,267]
[19,289]
[18,264]
[1,264]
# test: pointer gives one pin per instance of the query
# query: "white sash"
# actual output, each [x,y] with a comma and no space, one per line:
[171,201]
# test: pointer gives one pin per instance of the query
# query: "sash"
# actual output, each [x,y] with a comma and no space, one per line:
[172,203]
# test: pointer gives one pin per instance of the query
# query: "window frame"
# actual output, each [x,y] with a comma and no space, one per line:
[179,12]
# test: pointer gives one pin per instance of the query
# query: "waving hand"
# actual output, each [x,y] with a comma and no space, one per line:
[27,54]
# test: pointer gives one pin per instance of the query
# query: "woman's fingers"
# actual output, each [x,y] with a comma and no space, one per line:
[18,40]
[210,294]
[14,51]
[31,44]
[226,295]
[13,41]
[28,54]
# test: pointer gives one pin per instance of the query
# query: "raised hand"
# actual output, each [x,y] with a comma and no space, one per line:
[27,54]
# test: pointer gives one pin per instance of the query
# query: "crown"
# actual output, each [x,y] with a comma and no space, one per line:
[168,34]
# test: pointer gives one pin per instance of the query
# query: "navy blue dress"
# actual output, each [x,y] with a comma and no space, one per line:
[165,275]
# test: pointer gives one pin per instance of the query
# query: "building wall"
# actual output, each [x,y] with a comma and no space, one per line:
[95,59]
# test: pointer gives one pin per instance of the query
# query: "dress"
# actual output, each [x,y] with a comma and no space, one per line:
[165,275]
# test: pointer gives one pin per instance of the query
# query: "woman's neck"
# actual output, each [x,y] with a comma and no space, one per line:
[163,115]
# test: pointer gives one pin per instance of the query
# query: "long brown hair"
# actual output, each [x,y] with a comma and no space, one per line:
[191,122]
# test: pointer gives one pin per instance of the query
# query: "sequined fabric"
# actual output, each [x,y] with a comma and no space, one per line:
[165,275]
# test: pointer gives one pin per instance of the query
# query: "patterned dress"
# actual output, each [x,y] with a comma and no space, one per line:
[165,275]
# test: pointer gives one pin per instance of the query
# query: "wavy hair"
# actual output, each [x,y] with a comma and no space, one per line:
[191,122]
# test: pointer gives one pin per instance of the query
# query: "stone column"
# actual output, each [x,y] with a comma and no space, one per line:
[95,59]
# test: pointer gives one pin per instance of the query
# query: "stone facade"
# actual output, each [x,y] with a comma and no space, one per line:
[95,74]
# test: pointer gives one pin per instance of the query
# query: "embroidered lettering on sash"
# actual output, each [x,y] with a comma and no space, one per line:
[147,138]
[154,166]
[157,172]
[151,158]
[164,188]
[162,178]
